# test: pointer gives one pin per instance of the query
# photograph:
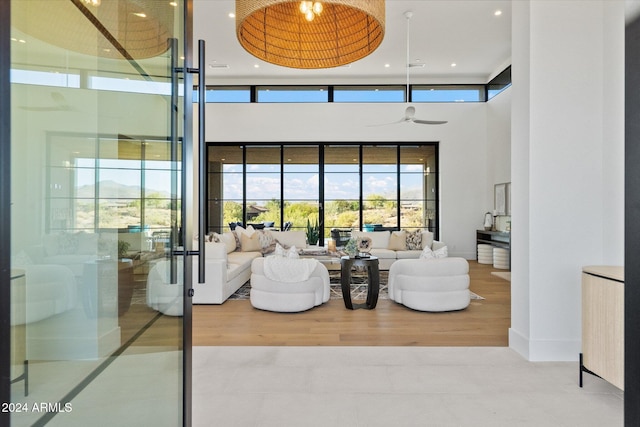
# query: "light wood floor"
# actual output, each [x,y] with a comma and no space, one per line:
[483,323]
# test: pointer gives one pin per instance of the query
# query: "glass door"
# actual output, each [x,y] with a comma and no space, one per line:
[97,304]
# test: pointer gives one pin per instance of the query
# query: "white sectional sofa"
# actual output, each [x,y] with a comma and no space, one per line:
[228,267]
[391,246]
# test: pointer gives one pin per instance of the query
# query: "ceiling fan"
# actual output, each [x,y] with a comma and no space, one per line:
[410,111]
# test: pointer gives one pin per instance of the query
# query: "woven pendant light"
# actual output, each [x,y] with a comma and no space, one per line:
[130,29]
[341,32]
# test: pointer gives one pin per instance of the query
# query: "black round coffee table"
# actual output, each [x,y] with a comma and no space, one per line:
[373,274]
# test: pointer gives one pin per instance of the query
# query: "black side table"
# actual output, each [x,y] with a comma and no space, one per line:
[373,273]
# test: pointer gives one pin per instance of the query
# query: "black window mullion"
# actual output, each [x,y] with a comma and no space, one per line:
[398,186]
[321,192]
[436,232]
[281,185]
[244,185]
[360,170]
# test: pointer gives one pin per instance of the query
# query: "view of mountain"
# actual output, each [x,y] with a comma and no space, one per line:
[114,190]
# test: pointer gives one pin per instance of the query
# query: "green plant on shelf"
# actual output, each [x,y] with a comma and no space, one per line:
[313,232]
[123,247]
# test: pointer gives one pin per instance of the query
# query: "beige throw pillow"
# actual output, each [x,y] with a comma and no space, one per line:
[250,243]
[398,241]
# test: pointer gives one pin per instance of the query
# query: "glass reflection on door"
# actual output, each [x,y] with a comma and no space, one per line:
[96,324]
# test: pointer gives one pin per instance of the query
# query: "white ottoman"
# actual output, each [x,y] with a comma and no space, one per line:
[288,297]
[501,258]
[485,254]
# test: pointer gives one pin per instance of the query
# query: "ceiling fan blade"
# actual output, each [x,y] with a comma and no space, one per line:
[403,120]
[430,122]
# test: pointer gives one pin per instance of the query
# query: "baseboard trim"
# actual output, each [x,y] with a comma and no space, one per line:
[544,350]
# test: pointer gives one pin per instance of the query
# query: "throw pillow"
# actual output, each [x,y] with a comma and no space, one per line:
[229,239]
[267,241]
[250,243]
[414,240]
[427,239]
[398,241]
[292,252]
[427,253]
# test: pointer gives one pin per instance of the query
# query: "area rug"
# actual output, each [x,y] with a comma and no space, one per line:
[358,288]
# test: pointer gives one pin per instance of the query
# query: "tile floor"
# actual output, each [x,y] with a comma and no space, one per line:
[393,386]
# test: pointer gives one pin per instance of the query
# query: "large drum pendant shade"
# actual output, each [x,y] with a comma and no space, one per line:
[277,32]
[130,29]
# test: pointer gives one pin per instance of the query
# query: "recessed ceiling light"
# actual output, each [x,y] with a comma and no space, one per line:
[223,159]
[140,14]
[497,12]
[256,66]
[453,64]
[387,65]
[173,3]
[232,15]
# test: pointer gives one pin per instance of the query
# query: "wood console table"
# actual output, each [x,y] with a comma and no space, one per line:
[603,323]
[499,239]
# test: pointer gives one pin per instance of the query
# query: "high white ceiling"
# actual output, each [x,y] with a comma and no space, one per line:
[442,32]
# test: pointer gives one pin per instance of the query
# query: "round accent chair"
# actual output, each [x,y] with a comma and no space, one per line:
[288,285]
[440,284]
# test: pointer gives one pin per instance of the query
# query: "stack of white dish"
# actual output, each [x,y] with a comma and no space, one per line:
[501,258]
[485,254]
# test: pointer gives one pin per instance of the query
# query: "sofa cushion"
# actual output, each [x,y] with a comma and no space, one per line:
[233,271]
[398,241]
[437,245]
[383,253]
[229,240]
[379,239]
[409,254]
[290,238]
[427,239]
[238,262]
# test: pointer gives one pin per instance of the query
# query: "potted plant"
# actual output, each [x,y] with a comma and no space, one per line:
[313,232]
[123,247]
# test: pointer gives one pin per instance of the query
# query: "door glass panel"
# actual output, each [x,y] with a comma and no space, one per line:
[96,322]
[341,188]
[418,187]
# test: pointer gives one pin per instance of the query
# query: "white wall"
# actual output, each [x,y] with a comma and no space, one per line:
[564,147]
[498,142]
[463,146]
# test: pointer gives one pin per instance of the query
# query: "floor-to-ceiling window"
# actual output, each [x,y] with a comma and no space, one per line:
[339,186]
